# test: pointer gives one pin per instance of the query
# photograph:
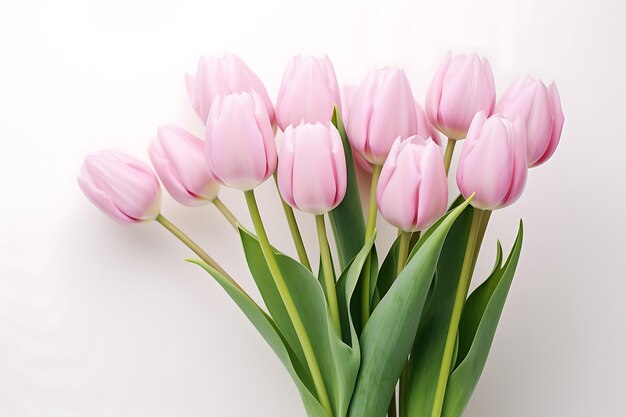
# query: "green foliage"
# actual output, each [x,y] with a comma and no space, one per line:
[427,352]
[388,335]
[477,329]
[347,218]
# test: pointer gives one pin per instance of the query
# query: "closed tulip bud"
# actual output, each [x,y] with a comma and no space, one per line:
[424,129]
[221,77]
[412,191]
[308,92]
[540,109]
[462,87]
[121,186]
[312,168]
[348,91]
[239,141]
[383,109]
[493,162]
[178,158]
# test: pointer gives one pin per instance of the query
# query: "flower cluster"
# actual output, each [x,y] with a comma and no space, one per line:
[381,126]
[385,125]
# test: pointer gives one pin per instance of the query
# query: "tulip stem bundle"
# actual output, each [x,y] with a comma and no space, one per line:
[329,274]
[226,212]
[287,299]
[372,211]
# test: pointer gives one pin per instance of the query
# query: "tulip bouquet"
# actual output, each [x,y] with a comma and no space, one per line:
[359,333]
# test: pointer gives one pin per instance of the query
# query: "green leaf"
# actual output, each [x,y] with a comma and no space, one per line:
[269,292]
[388,269]
[347,218]
[427,352]
[347,289]
[477,329]
[388,335]
[338,361]
[268,329]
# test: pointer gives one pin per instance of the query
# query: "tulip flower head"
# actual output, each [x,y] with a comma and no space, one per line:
[178,158]
[424,129]
[463,86]
[312,167]
[239,141]
[493,162]
[383,109]
[412,192]
[223,76]
[540,108]
[348,91]
[121,186]
[308,92]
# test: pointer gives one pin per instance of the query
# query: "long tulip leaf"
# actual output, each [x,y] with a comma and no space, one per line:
[477,330]
[347,219]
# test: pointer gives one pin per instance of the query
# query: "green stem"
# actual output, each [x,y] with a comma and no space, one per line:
[403,254]
[329,274]
[482,228]
[403,250]
[372,209]
[293,228]
[447,157]
[225,212]
[372,212]
[459,301]
[191,244]
[290,305]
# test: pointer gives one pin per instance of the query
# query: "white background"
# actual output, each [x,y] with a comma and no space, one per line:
[98,319]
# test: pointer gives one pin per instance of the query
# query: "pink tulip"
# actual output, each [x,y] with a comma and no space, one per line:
[540,108]
[412,191]
[424,129]
[462,87]
[383,109]
[239,141]
[121,186]
[493,161]
[178,158]
[348,91]
[312,168]
[223,76]
[308,92]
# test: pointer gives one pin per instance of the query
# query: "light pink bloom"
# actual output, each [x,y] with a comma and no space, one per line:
[462,87]
[383,109]
[348,91]
[312,168]
[308,92]
[424,129]
[178,158]
[540,108]
[223,76]
[493,161]
[121,186]
[239,141]
[412,191]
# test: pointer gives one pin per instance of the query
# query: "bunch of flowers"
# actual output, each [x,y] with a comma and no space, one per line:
[359,337]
